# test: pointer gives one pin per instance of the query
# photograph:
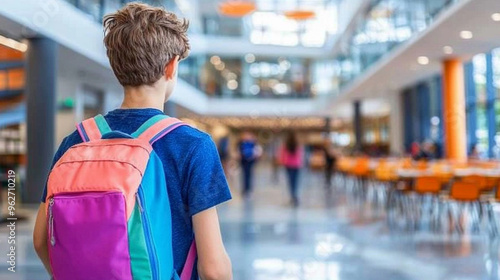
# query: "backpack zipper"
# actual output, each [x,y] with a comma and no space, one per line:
[51,223]
[149,238]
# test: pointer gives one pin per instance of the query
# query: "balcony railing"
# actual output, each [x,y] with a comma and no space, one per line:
[96,9]
[386,25]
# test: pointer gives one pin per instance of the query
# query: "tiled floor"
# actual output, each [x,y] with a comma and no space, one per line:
[322,240]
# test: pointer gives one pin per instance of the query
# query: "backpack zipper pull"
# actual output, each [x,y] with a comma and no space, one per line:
[51,223]
[139,202]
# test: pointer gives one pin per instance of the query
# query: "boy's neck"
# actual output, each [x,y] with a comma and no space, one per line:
[143,97]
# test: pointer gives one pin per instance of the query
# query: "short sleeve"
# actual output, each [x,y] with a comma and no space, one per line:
[206,184]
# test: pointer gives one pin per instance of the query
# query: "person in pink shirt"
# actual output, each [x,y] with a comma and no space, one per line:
[291,157]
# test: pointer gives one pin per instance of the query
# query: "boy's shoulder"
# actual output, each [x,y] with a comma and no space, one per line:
[188,135]
[183,136]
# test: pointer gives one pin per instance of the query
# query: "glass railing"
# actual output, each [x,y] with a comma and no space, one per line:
[248,77]
[96,9]
[386,25]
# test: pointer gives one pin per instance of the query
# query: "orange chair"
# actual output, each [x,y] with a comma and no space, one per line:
[385,172]
[427,188]
[485,184]
[385,178]
[466,193]
[428,185]
[360,173]
[492,222]
[362,167]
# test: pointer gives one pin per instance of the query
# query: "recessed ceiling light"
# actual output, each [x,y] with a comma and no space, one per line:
[447,49]
[495,16]
[250,58]
[423,60]
[466,34]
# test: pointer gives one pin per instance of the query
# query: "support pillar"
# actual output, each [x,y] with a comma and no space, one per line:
[490,104]
[41,110]
[396,119]
[358,126]
[471,105]
[454,110]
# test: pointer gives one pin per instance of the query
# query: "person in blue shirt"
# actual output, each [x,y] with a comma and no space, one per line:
[250,151]
[144,45]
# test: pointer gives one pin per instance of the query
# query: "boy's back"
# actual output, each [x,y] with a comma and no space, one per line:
[144,45]
[194,175]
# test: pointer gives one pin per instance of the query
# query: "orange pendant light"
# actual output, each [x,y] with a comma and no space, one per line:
[236,8]
[300,14]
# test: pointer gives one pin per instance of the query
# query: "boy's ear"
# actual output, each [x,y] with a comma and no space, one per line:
[171,68]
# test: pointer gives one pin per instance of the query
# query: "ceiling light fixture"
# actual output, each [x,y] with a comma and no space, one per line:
[300,14]
[495,17]
[466,34]
[215,60]
[423,60]
[250,58]
[447,49]
[237,8]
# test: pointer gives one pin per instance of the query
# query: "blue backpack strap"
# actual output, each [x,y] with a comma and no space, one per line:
[93,128]
[157,127]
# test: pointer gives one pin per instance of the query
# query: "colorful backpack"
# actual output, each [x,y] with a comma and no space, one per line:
[108,208]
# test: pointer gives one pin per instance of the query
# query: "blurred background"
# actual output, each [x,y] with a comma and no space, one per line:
[360,138]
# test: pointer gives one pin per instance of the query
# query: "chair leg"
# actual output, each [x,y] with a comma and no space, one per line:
[435,213]
[455,214]
[493,226]
[475,214]
[451,217]
[442,211]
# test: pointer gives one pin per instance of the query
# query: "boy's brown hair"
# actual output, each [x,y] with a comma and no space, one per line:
[141,40]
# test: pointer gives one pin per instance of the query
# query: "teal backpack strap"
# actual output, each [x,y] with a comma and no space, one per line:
[93,128]
[157,127]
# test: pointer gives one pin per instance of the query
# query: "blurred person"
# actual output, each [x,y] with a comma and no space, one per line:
[438,150]
[330,160]
[414,149]
[250,151]
[144,45]
[496,147]
[273,151]
[474,152]
[292,158]
[427,151]
[223,150]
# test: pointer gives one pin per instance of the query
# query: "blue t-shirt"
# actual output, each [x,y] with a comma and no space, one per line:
[194,174]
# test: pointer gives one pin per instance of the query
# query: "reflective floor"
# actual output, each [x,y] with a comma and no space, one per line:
[321,240]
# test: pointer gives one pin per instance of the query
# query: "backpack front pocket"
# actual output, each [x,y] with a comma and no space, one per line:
[88,236]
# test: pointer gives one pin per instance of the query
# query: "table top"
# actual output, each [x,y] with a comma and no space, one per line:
[459,172]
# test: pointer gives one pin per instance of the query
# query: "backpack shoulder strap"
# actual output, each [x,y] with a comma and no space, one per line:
[187,271]
[93,128]
[157,127]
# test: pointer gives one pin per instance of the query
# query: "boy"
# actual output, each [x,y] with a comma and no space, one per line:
[144,45]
